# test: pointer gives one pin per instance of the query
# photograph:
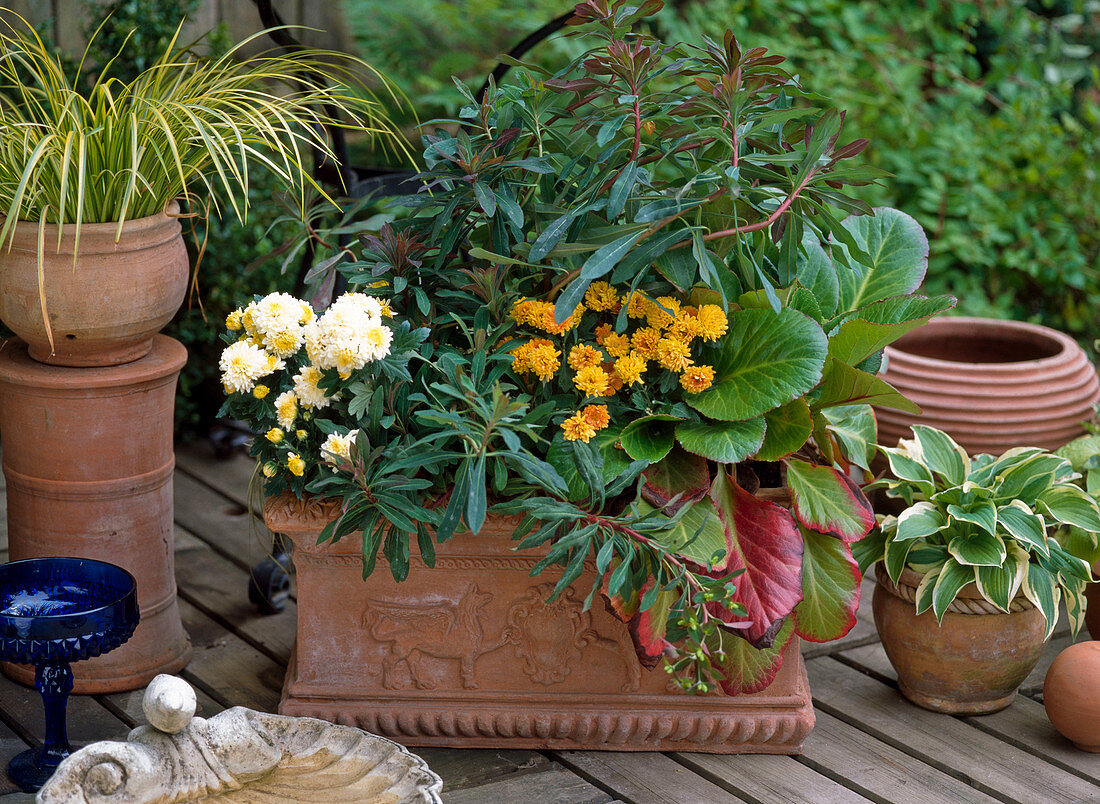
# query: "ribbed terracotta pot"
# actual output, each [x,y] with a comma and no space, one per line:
[1071,694]
[471,654]
[990,384]
[88,463]
[105,310]
[972,663]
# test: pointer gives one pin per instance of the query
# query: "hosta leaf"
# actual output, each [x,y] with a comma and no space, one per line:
[829,502]
[952,577]
[919,521]
[925,589]
[999,585]
[1041,589]
[724,442]
[647,628]
[898,250]
[1074,596]
[855,427]
[942,455]
[982,513]
[649,438]
[976,549]
[1078,451]
[905,468]
[830,589]
[767,360]
[896,557]
[1071,506]
[844,385]
[1030,478]
[788,428]
[1024,525]
[748,669]
[763,539]
[984,468]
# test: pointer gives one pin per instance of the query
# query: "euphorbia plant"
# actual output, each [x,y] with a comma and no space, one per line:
[645,302]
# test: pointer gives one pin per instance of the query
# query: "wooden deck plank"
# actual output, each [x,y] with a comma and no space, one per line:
[10,745]
[768,778]
[461,769]
[1024,724]
[879,771]
[652,778]
[230,476]
[945,742]
[555,785]
[87,720]
[221,522]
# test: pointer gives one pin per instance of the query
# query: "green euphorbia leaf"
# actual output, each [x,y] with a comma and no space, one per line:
[1071,506]
[898,249]
[855,427]
[1024,525]
[951,578]
[724,442]
[844,385]
[748,669]
[827,501]
[830,588]
[788,429]
[767,360]
[649,438]
[978,549]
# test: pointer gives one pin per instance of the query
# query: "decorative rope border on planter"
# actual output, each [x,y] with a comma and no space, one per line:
[908,592]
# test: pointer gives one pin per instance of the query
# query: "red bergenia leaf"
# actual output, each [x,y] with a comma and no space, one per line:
[647,628]
[762,538]
[748,669]
[828,501]
[830,588]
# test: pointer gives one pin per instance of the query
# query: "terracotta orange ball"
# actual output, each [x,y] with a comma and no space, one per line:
[1071,694]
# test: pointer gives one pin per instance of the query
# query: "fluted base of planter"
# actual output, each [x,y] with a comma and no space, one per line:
[472,654]
[88,463]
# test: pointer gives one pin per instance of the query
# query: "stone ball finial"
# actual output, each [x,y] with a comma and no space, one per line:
[169,704]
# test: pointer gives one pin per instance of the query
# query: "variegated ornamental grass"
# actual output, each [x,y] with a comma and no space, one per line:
[187,126]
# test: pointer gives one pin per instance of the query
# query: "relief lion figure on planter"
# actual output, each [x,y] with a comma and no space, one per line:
[444,630]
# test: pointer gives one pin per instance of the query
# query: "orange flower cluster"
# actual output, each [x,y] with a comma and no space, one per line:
[585,423]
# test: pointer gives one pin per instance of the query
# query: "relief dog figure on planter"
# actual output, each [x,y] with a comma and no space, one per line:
[611,332]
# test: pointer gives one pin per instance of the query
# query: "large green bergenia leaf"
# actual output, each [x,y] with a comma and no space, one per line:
[844,385]
[767,359]
[880,324]
[830,589]
[817,274]
[829,502]
[649,438]
[749,669]
[724,442]
[898,249]
[762,538]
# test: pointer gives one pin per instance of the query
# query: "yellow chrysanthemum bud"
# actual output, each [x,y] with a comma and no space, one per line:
[233,320]
[274,435]
[712,322]
[673,354]
[583,355]
[630,368]
[260,391]
[270,469]
[617,345]
[300,434]
[663,312]
[592,381]
[295,464]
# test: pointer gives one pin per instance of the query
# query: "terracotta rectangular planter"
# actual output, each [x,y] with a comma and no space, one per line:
[470,654]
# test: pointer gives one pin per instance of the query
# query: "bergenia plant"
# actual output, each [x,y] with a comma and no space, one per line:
[647,305]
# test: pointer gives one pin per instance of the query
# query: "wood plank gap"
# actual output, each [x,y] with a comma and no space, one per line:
[116,710]
[830,648]
[715,779]
[214,545]
[870,672]
[900,745]
[228,626]
[825,771]
[20,730]
[556,756]
[1035,751]
[198,683]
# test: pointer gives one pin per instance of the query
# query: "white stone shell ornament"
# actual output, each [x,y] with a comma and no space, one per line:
[239,755]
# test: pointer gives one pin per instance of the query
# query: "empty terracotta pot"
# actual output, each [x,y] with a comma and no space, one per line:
[1071,694]
[990,384]
[972,663]
[105,309]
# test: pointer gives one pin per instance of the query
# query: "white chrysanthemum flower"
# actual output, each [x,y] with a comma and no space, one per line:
[348,335]
[284,342]
[276,312]
[376,342]
[361,302]
[307,313]
[305,388]
[286,409]
[338,446]
[242,363]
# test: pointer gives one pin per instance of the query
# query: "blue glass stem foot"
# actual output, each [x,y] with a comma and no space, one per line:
[32,768]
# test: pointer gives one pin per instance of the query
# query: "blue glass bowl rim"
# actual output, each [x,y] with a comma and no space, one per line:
[51,626]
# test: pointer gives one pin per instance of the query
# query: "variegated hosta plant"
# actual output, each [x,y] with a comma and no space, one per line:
[986,521]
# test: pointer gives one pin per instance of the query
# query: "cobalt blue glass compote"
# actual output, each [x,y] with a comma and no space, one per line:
[54,611]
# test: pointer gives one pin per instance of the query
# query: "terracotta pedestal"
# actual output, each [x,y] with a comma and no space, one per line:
[88,462]
[470,654]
